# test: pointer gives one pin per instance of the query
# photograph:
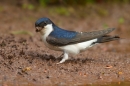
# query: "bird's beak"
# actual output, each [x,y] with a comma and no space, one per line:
[38,29]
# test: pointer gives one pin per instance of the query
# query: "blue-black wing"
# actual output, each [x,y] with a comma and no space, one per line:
[75,37]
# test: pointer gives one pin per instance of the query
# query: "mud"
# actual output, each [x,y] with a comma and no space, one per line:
[24,60]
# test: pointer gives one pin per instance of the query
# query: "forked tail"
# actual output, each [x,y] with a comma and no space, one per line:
[107,38]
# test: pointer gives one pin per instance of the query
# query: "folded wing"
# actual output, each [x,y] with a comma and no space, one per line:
[79,37]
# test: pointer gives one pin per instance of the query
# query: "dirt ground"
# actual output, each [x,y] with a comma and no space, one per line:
[26,61]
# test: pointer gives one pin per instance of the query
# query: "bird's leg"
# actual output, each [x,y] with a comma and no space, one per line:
[65,57]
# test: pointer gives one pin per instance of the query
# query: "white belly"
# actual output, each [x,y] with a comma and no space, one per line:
[76,48]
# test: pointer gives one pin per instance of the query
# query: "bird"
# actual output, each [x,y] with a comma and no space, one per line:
[70,42]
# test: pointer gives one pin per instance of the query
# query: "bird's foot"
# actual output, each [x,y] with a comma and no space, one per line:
[64,58]
[62,61]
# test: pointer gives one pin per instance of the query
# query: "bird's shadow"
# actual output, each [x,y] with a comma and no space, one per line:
[46,57]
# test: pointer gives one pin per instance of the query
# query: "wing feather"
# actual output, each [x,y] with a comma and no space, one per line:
[80,37]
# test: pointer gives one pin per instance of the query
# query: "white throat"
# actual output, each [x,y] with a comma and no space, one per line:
[46,30]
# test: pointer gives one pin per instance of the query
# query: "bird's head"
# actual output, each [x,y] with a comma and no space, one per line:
[43,23]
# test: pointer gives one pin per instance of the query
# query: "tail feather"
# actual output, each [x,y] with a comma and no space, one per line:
[107,38]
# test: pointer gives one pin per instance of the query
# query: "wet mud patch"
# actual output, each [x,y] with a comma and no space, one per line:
[24,61]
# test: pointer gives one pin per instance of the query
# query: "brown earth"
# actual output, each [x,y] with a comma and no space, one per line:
[24,60]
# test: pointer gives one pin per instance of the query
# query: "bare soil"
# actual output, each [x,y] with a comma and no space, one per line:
[25,60]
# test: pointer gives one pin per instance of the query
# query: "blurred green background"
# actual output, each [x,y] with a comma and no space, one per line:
[64,2]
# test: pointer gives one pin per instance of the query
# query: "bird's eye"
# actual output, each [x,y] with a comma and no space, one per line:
[42,24]
[45,23]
